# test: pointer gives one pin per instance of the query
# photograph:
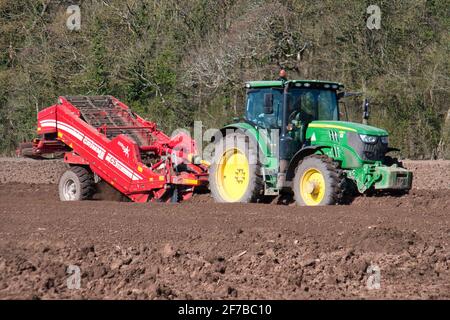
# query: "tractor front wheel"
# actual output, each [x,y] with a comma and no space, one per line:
[318,181]
[76,184]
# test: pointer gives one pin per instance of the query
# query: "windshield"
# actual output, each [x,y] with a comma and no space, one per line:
[313,104]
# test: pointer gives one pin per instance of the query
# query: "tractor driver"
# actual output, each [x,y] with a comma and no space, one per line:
[282,75]
[301,106]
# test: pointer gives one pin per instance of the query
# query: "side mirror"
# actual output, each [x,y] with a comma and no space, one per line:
[366,111]
[268,103]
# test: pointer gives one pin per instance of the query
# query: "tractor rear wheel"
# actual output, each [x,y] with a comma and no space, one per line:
[234,175]
[76,184]
[318,181]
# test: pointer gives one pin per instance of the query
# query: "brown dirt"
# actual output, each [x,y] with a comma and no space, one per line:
[203,250]
[428,175]
[24,170]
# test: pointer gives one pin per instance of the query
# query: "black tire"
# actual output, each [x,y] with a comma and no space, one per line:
[76,184]
[255,188]
[333,177]
[25,150]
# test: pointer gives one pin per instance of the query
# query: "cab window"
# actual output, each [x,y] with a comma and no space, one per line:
[327,105]
[313,104]
[255,108]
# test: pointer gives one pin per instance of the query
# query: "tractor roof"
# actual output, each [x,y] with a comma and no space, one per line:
[281,84]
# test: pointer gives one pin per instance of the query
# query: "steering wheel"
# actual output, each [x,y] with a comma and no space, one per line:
[293,115]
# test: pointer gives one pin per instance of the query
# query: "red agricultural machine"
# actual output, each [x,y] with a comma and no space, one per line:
[102,139]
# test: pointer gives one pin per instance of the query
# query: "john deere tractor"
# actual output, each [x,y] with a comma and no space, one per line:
[292,140]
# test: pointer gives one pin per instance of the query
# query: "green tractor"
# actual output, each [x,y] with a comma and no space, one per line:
[292,140]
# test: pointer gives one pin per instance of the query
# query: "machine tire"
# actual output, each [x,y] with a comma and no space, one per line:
[330,189]
[25,150]
[389,161]
[76,184]
[254,191]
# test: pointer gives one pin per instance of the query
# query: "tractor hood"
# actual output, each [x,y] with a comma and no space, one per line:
[349,126]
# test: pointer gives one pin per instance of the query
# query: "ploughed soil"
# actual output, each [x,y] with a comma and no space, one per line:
[202,250]
[428,175]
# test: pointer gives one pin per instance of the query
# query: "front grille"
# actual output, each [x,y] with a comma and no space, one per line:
[374,152]
[367,151]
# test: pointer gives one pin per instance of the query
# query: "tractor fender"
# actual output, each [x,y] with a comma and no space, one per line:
[299,156]
[251,133]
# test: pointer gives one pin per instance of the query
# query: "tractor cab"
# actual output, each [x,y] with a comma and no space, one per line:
[305,101]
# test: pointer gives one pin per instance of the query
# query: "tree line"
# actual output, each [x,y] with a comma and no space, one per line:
[179,61]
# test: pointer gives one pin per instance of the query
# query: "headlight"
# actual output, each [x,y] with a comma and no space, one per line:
[385,140]
[368,139]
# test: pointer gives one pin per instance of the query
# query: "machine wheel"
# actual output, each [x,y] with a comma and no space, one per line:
[389,161]
[25,149]
[234,175]
[76,184]
[318,181]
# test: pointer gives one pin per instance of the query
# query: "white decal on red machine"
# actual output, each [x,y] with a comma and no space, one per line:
[94,146]
[64,127]
[122,168]
[125,149]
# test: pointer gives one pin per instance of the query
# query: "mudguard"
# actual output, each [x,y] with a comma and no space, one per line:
[304,152]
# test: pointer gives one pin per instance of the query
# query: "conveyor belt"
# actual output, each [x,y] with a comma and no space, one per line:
[99,111]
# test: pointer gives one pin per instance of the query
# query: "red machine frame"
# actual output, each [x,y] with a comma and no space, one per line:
[118,159]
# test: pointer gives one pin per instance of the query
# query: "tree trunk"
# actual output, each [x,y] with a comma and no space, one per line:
[443,150]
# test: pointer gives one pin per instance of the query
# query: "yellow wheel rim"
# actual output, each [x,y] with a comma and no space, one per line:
[232,175]
[312,187]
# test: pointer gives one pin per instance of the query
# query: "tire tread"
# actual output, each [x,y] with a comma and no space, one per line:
[337,177]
